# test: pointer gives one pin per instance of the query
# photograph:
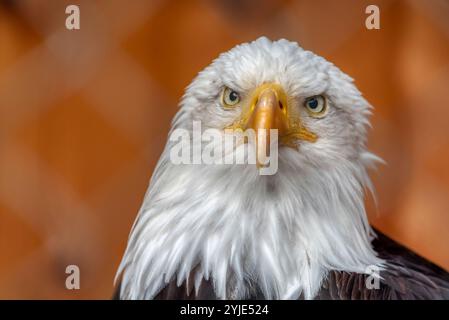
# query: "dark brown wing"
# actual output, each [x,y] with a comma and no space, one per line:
[407,276]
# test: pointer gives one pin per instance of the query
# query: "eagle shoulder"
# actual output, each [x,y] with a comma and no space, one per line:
[406,276]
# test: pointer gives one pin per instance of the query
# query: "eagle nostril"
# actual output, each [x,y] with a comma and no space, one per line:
[281,106]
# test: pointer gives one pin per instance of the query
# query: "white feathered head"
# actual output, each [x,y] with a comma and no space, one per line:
[235,227]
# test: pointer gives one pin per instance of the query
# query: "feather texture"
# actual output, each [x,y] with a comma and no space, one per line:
[225,231]
[408,276]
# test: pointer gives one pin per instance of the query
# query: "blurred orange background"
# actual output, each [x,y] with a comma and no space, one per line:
[84,116]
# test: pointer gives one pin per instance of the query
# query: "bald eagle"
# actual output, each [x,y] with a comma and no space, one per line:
[225,231]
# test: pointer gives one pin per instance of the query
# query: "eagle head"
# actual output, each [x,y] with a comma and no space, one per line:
[228,224]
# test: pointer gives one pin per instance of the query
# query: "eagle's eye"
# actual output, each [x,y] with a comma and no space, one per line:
[316,106]
[230,97]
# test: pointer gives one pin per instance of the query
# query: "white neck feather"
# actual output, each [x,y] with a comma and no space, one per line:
[282,233]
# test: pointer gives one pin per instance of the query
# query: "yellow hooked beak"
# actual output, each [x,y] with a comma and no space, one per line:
[268,109]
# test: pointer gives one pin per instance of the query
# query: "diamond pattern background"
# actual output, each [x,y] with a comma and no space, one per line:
[84,116]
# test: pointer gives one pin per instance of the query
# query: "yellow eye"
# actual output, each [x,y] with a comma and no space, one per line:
[230,97]
[316,106]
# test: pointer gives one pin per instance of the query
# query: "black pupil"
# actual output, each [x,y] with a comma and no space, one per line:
[233,96]
[313,103]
